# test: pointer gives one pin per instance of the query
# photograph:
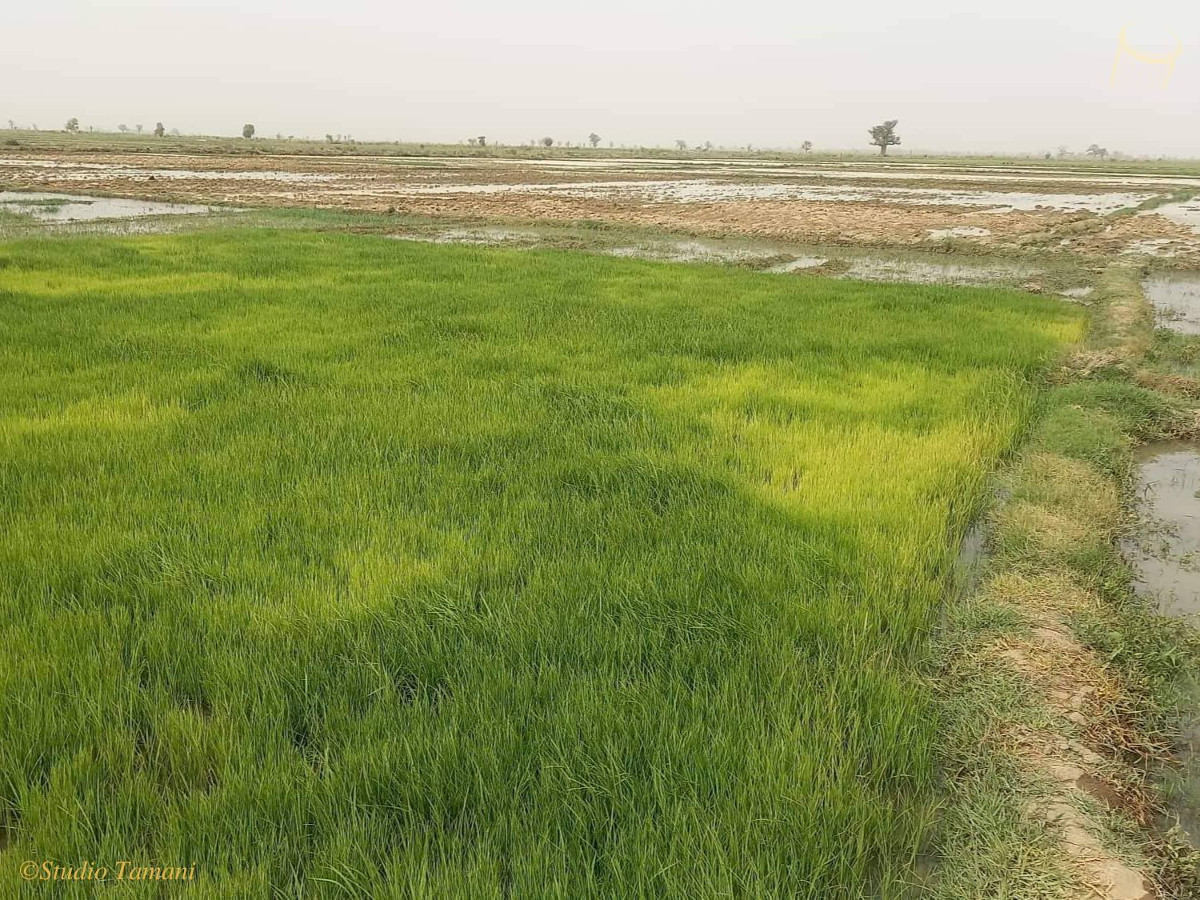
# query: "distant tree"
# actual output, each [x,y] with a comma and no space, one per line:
[594,140]
[708,145]
[72,125]
[547,142]
[12,125]
[884,136]
[139,128]
[680,145]
[472,141]
[806,146]
[247,131]
[124,129]
[159,130]
[328,138]
[482,139]
[1097,151]
[1063,151]
[1047,154]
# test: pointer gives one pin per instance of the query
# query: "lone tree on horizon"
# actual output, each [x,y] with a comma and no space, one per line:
[594,139]
[72,125]
[159,130]
[806,146]
[247,131]
[1096,150]
[482,140]
[547,142]
[884,136]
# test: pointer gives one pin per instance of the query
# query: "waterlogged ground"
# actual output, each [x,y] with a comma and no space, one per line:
[77,208]
[1176,299]
[909,205]
[782,258]
[1165,554]
[24,213]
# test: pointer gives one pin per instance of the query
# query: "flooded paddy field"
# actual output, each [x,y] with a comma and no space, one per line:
[1055,276]
[75,208]
[970,207]
[23,213]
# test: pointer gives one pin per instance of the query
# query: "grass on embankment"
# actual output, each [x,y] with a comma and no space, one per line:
[338,565]
[1054,666]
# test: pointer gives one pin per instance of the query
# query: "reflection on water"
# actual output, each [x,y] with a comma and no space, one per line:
[1165,554]
[72,208]
[1176,298]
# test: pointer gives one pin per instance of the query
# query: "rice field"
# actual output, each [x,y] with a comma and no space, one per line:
[341,566]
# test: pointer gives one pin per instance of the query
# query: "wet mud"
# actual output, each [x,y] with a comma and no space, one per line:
[851,203]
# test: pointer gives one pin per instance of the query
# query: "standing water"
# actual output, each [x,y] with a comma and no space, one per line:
[1176,300]
[72,208]
[1166,557]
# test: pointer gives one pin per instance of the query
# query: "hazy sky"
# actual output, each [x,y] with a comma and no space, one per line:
[1016,75]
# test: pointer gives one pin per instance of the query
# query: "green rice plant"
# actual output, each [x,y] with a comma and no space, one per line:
[342,566]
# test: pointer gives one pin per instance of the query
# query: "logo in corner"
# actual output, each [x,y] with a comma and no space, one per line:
[1135,59]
